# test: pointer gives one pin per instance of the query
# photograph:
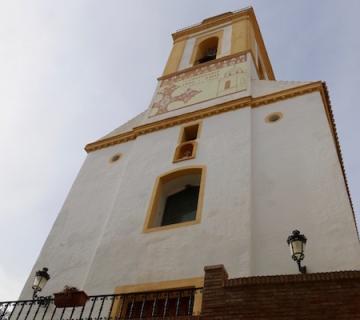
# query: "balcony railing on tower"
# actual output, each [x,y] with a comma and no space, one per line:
[140,305]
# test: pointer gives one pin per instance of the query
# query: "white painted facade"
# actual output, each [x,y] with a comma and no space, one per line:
[263,180]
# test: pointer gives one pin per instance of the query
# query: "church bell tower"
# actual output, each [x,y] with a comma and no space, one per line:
[220,168]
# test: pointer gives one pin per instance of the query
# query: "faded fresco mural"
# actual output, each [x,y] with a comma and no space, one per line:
[201,84]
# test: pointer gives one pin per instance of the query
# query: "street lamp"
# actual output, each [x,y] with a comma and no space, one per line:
[41,278]
[297,242]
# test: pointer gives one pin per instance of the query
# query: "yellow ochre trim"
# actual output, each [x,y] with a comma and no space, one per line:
[162,286]
[168,176]
[204,113]
[239,36]
[175,57]
[262,52]
[201,65]
[210,23]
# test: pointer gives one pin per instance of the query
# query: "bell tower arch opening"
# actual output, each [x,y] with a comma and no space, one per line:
[207,50]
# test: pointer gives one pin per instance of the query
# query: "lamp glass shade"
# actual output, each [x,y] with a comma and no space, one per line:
[297,249]
[40,280]
[39,283]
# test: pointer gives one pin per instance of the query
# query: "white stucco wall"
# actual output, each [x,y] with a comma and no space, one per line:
[263,180]
[297,183]
[121,253]
[69,248]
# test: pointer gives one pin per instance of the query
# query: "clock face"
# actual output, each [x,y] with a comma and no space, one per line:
[201,84]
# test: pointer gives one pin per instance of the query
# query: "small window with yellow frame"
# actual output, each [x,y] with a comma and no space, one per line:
[187,146]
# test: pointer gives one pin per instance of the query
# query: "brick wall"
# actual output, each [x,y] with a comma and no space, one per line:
[333,295]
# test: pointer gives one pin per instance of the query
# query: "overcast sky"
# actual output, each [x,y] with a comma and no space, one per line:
[73,70]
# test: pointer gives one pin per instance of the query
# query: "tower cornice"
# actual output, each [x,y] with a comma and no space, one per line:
[212,22]
[199,66]
[248,101]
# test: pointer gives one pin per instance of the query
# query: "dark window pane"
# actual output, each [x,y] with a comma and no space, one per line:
[181,206]
[190,133]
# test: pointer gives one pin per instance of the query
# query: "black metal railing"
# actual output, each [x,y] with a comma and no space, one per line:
[140,305]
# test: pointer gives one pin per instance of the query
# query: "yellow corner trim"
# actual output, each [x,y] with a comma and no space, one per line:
[175,57]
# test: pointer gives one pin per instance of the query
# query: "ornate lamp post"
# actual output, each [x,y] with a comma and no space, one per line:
[41,278]
[297,242]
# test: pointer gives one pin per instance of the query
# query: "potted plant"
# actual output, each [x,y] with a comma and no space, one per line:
[70,297]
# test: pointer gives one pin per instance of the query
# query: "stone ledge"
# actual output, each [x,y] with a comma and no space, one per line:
[323,276]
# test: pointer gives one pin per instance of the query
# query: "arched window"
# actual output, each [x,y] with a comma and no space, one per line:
[176,199]
[207,50]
